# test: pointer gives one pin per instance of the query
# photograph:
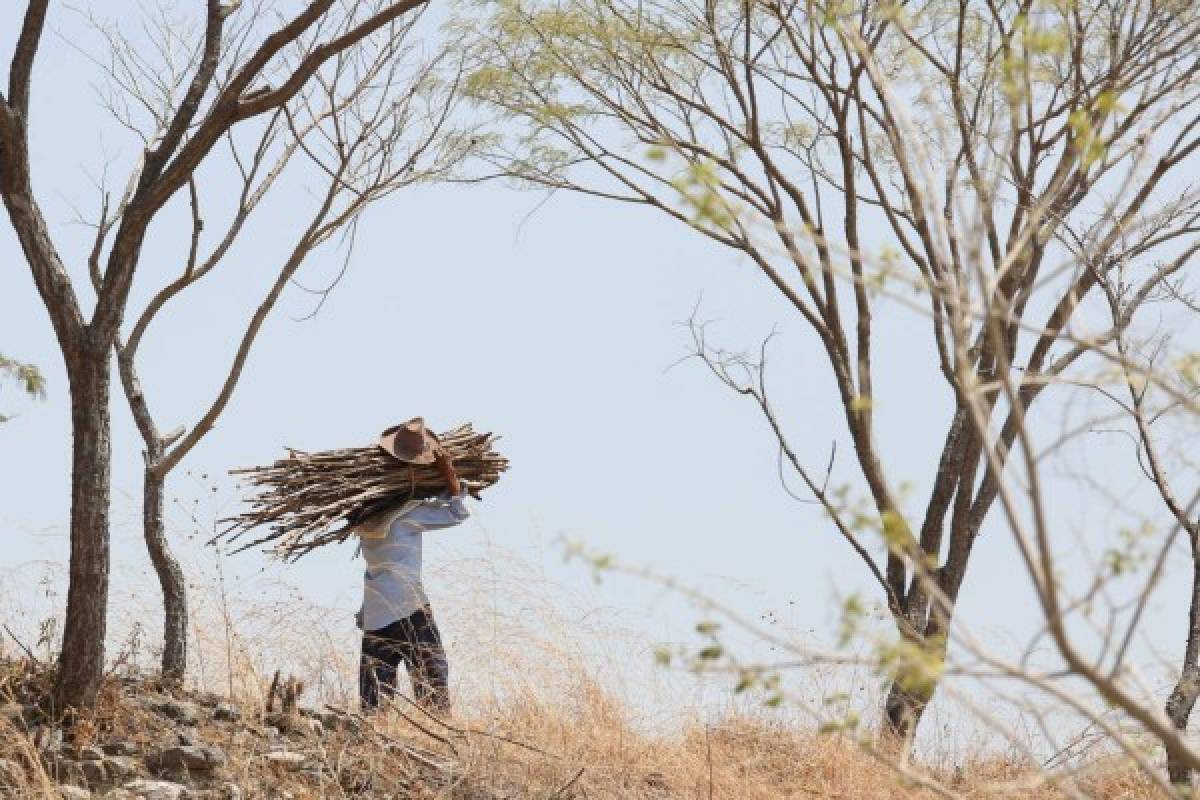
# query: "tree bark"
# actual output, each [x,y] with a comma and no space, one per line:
[170,574]
[170,578]
[909,696]
[81,662]
[903,710]
[1183,697]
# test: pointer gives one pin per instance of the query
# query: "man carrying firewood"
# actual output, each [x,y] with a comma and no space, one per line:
[396,619]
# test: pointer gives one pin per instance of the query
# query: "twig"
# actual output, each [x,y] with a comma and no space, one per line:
[426,731]
[22,645]
[562,790]
[465,732]
[308,500]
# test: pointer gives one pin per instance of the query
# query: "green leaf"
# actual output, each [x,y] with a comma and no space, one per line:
[27,376]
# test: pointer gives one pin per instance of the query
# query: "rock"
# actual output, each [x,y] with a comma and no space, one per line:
[333,721]
[11,774]
[180,711]
[285,721]
[288,760]
[95,772]
[215,794]
[224,712]
[120,749]
[73,793]
[230,791]
[153,790]
[183,713]
[122,768]
[108,769]
[89,754]
[64,770]
[152,700]
[209,699]
[17,714]
[191,758]
[47,739]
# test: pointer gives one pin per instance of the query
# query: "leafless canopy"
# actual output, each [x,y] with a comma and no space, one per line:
[373,120]
[249,88]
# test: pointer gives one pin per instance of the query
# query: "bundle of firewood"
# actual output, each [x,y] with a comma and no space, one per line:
[311,499]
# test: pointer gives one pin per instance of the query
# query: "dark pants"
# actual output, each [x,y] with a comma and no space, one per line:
[415,641]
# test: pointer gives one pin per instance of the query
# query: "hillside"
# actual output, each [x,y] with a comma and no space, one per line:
[145,743]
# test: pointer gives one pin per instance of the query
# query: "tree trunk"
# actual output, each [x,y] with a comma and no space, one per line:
[909,695]
[170,578]
[81,662]
[1183,696]
[902,713]
[170,575]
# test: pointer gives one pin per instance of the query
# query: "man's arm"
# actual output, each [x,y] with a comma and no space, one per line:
[435,513]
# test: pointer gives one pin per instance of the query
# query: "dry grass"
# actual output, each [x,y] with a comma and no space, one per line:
[581,746]
[551,702]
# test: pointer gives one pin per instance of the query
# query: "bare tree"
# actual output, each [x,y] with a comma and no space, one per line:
[265,71]
[996,157]
[1145,368]
[373,121]
[1093,621]
[1094,609]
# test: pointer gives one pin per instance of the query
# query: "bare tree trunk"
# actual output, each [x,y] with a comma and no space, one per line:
[170,576]
[903,710]
[909,695]
[81,662]
[1183,696]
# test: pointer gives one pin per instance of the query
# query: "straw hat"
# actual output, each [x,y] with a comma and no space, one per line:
[411,442]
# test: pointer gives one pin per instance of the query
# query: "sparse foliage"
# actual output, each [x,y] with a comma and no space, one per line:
[987,163]
[27,377]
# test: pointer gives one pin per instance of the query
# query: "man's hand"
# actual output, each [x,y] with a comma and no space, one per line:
[449,474]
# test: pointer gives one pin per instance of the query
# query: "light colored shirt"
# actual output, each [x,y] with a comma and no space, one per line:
[391,544]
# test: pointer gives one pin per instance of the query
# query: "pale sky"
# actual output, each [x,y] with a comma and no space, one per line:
[552,323]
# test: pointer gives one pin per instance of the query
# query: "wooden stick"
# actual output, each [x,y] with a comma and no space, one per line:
[308,500]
